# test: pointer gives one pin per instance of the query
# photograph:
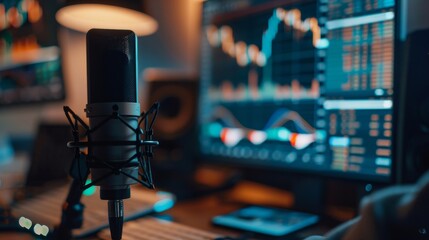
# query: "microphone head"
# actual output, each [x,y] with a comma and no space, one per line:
[112,88]
[111,66]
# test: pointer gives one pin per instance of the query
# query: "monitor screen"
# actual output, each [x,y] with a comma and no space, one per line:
[30,64]
[299,85]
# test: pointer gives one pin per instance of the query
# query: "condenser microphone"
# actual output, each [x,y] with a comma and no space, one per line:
[112,88]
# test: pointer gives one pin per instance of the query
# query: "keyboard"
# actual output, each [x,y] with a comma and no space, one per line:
[151,228]
[45,208]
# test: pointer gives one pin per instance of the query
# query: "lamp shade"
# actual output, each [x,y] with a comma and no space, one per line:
[122,14]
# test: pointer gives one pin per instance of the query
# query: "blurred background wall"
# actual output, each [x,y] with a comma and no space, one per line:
[173,46]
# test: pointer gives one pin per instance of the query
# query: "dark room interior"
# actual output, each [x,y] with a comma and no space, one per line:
[214,119]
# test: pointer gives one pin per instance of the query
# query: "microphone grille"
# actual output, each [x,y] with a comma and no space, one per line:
[111,66]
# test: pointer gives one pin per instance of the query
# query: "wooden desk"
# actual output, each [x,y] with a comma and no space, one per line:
[199,212]
[15,236]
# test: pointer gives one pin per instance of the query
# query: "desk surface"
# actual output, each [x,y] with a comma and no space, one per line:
[199,212]
[15,236]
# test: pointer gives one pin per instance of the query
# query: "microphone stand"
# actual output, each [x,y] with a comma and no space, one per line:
[72,213]
[72,209]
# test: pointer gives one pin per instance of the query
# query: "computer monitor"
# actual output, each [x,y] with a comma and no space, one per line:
[303,86]
[30,63]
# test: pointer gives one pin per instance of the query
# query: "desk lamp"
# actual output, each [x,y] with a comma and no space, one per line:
[81,16]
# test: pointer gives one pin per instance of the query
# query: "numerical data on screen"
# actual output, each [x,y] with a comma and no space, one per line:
[299,84]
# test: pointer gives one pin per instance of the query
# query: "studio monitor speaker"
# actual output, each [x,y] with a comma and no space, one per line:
[176,122]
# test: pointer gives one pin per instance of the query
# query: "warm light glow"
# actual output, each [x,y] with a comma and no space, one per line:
[83,17]
[35,11]
[16,16]
[3,22]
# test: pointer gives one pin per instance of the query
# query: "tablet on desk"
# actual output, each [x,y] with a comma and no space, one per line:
[268,221]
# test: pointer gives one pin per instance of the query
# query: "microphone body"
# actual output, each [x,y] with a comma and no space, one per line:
[112,88]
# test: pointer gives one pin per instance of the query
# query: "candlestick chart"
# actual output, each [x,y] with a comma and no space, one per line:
[260,57]
[265,55]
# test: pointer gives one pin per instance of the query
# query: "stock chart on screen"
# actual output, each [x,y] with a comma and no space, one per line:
[303,85]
